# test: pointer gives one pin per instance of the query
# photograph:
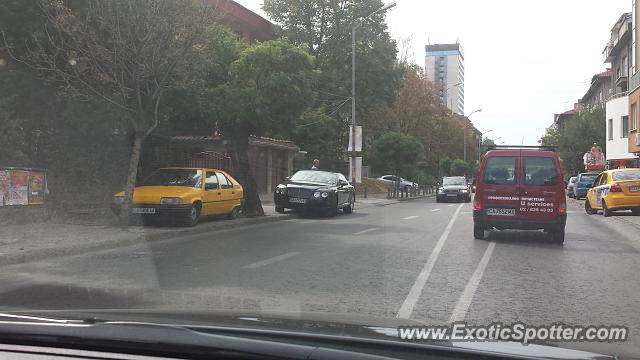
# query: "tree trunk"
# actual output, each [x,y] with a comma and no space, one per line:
[131,179]
[252,204]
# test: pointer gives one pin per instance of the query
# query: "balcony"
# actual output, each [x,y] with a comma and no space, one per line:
[622,81]
[621,38]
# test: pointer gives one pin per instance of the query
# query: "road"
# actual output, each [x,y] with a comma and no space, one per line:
[415,259]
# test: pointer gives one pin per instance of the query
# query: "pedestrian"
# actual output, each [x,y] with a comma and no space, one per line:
[316,164]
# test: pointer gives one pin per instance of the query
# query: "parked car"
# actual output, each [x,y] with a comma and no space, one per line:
[184,194]
[454,188]
[405,185]
[614,190]
[315,190]
[570,185]
[520,188]
[582,184]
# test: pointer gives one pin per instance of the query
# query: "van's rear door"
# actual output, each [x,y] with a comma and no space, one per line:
[500,184]
[542,187]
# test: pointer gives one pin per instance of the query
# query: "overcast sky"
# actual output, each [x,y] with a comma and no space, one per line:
[524,61]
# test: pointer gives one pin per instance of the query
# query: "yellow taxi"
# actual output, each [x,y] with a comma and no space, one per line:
[614,190]
[184,194]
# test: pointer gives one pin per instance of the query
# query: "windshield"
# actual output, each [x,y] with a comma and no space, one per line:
[626,175]
[453,181]
[380,163]
[317,177]
[174,177]
[588,178]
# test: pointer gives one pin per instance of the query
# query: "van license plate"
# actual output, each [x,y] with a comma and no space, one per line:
[501,212]
[634,188]
[143,210]
[297,200]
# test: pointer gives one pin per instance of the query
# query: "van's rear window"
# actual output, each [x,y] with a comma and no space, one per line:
[540,171]
[500,170]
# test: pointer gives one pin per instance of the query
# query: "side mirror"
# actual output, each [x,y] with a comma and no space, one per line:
[343,182]
[287,178]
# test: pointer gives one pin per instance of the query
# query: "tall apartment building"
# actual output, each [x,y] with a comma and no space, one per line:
[445,66]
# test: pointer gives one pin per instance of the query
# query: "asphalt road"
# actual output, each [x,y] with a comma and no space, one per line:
[415,259]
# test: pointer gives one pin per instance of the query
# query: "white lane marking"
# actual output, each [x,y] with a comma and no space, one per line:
[270,261]
[435,210]
[466,212]
[409,217]
[460,311]
[450,205]
[414,294]
[365,231]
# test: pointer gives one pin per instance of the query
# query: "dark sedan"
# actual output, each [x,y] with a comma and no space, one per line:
[454,188]
[315,190]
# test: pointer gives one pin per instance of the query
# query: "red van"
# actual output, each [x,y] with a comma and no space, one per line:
[520,187]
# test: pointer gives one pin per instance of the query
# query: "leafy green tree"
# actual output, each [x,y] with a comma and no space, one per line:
[270,87]
[459,167]
[445,166]
[322,135]
[576,137]
[397,153]
[125,53]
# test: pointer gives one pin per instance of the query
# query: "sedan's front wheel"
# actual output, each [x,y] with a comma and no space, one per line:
[349,208]
[192,215]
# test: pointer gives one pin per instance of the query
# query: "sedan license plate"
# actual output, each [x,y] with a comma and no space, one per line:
[297,200]
[452,194]
[501,212]
[143,210]
[634,188]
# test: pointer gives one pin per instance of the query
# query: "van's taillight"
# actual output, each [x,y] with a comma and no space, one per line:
[476,203]
[615,187]
[563,208]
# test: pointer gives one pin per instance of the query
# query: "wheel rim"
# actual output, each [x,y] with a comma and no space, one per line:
[194,214]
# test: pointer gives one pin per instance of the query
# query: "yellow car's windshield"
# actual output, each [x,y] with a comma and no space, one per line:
[174,177]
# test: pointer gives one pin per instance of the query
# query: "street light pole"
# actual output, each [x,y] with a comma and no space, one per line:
[353,87]
[480,145]
[464,133]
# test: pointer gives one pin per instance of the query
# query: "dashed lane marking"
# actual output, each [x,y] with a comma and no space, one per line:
[365,231]
[270,261]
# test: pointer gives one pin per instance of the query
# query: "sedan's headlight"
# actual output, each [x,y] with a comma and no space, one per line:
[325,194]
[441,189]
[278,191]
[170,201]
[317,194]
[464,190]
[118,199]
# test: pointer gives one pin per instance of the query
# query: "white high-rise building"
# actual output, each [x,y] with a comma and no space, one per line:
[445,67]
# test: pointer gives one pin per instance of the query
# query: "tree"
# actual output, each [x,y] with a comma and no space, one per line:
[576,137]
[459,167]
[445,166]
[397,152]
[270,87]
[125,53]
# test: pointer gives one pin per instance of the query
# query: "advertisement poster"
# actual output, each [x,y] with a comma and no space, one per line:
[36,188]
[19,188]
[4,186]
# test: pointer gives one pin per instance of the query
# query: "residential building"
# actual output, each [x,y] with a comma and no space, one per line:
[633,141]
[599,90]
[560,119]
[617,53]
[445,67]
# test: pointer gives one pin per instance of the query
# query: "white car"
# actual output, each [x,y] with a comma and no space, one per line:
[405,185]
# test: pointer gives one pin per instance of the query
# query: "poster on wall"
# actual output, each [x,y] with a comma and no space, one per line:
[36,188]
[18,188]
[4,186]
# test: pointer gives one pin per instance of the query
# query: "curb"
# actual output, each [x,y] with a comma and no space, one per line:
[134,239]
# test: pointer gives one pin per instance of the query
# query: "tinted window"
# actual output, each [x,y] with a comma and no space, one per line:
[211,182]
[454,181]
[588,178]
[500,170]
[314,176]
[224,182]
[626,175]
[174,177]
[540,171]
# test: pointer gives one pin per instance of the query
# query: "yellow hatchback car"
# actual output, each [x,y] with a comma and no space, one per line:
[184,194]
[614,190]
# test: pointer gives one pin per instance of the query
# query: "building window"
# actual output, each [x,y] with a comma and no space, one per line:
[610,130]
[625,127]
[634,117]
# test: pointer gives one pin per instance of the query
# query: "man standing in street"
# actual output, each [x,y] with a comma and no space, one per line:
[316,164]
